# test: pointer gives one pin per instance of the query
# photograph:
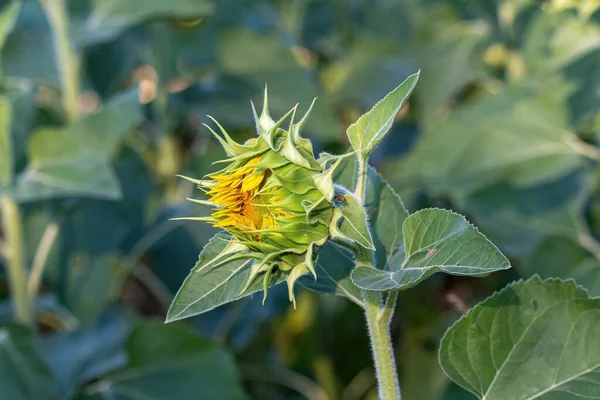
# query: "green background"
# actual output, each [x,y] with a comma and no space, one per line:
[503,127]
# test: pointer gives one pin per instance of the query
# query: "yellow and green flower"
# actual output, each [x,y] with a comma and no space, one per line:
[273,197]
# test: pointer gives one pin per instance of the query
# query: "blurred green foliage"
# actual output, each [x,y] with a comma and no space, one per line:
[503,127]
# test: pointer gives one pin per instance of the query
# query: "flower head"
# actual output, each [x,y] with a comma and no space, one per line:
[273,197]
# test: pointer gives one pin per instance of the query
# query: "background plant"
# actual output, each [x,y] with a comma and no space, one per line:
[502,128]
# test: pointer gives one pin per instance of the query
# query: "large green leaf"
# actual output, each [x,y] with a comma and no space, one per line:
[369,130]
[213,282]
[74,161]
[532,340]
[23,374]
[434,241]
[168,361]
[61,164]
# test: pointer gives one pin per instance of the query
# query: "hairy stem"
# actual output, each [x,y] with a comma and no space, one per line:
[17,275]
[361,183]
[67,63]
[381,344]
[378,315]
[390,305]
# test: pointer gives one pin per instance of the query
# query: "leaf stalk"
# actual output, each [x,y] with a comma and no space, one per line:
[67,63]
[17,275]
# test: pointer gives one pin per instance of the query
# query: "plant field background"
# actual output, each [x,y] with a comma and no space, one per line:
[503,127]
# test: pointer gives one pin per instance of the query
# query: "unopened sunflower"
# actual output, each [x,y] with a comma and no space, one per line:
[273,197]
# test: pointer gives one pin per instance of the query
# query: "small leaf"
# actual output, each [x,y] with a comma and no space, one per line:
[532,340]
[435,241]
[366,133]
[211,283]
[23,374]
[350,220]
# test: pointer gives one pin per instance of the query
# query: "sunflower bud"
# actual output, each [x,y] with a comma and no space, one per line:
[273,197]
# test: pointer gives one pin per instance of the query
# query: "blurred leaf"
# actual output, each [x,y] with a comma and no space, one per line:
[103,130]
[20,94]
[30,42]
[89,353]
[421,376]
[368,131]
[259,59]
[167,359]
[213,282]
[561,258]
[513,136]
[74,161]
[554,40]
[366,72]
[109,18]
[584,73]
[62,164]
[87,288]
[451,59]
[23,374]
[517,219]
[8,16]
[154,343]
[511,345]
[46,305]
[434,241]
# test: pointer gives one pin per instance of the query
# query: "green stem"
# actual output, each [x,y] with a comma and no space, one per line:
[361,182]
[17,275]
[67,63]
[378,316]
[39,260]
[390,305]
[381,343]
